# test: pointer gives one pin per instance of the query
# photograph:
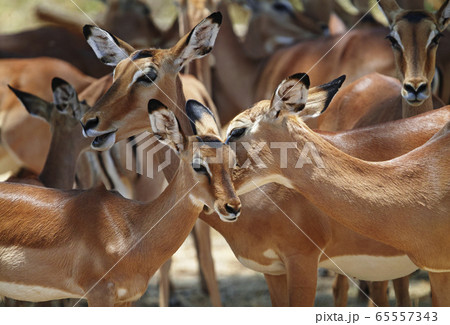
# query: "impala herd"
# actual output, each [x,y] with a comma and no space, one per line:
[303,150]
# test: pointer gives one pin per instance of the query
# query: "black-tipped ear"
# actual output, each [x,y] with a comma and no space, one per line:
[63,93]
[165,125]
[58,82]
[202,119]
[291,94]
[154,104]
[108,48]
[443,16]
[199,42]
[322,95]
[33,104]
[216,18]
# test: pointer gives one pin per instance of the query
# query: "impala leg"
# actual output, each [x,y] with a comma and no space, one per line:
[203,244]
[378,294]
[278,289]
[440,289]
[401,288]
[302,280]
[340,290]
[164,284]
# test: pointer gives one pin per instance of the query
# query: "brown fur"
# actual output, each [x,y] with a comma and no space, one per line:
[383,191]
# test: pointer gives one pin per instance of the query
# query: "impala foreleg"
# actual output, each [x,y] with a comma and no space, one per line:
[164,284]
[203,245]
[401,288]
[302,280]
[278,289]
[440,289]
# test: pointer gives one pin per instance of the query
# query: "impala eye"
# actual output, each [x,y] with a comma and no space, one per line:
[394,42]
[148,77]
[200,169]
[281,7]
[235,134]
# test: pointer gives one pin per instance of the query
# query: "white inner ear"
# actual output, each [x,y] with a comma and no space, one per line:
[202,40]
[105,48]
[290,94]
[446,12]
[164,123]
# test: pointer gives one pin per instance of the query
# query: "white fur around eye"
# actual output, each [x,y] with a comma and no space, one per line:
[196,162]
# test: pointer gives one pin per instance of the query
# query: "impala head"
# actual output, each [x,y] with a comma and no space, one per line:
[415,37]
[63,114]
[204,156]
[255,130]
[140,76]
[277,24]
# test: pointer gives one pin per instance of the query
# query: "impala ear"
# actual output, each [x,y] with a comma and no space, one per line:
[63,93]
[199,42]
[108,48]
[165,126]
[34,105]
[201,118]
[291,95]
[320,97]
[443,16]
[390,8]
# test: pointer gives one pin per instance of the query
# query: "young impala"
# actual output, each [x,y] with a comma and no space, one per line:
[265,240]
[95,244]
[403,202]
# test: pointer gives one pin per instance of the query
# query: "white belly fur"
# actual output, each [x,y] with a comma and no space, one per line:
[275,268]
[32,293]
[371,268]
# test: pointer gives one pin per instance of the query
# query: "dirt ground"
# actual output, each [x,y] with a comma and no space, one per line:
[240,286]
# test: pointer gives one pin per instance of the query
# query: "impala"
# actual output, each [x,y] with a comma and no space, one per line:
[288,258]
[92,93]
[375,98]
[397,202]
[67,143]
[415,37]
[51,252]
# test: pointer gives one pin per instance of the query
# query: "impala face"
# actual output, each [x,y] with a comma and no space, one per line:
[212,162]
[415,38]
[260,132]
[209,161]
[63,114]
[140,76]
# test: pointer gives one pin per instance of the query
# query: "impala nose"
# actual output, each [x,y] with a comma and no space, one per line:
[90,124]
[415,91]
[234,209]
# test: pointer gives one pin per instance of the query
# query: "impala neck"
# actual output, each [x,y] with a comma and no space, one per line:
[60,166]
[234,74]
[409,110]
[378,200]
[170,217]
